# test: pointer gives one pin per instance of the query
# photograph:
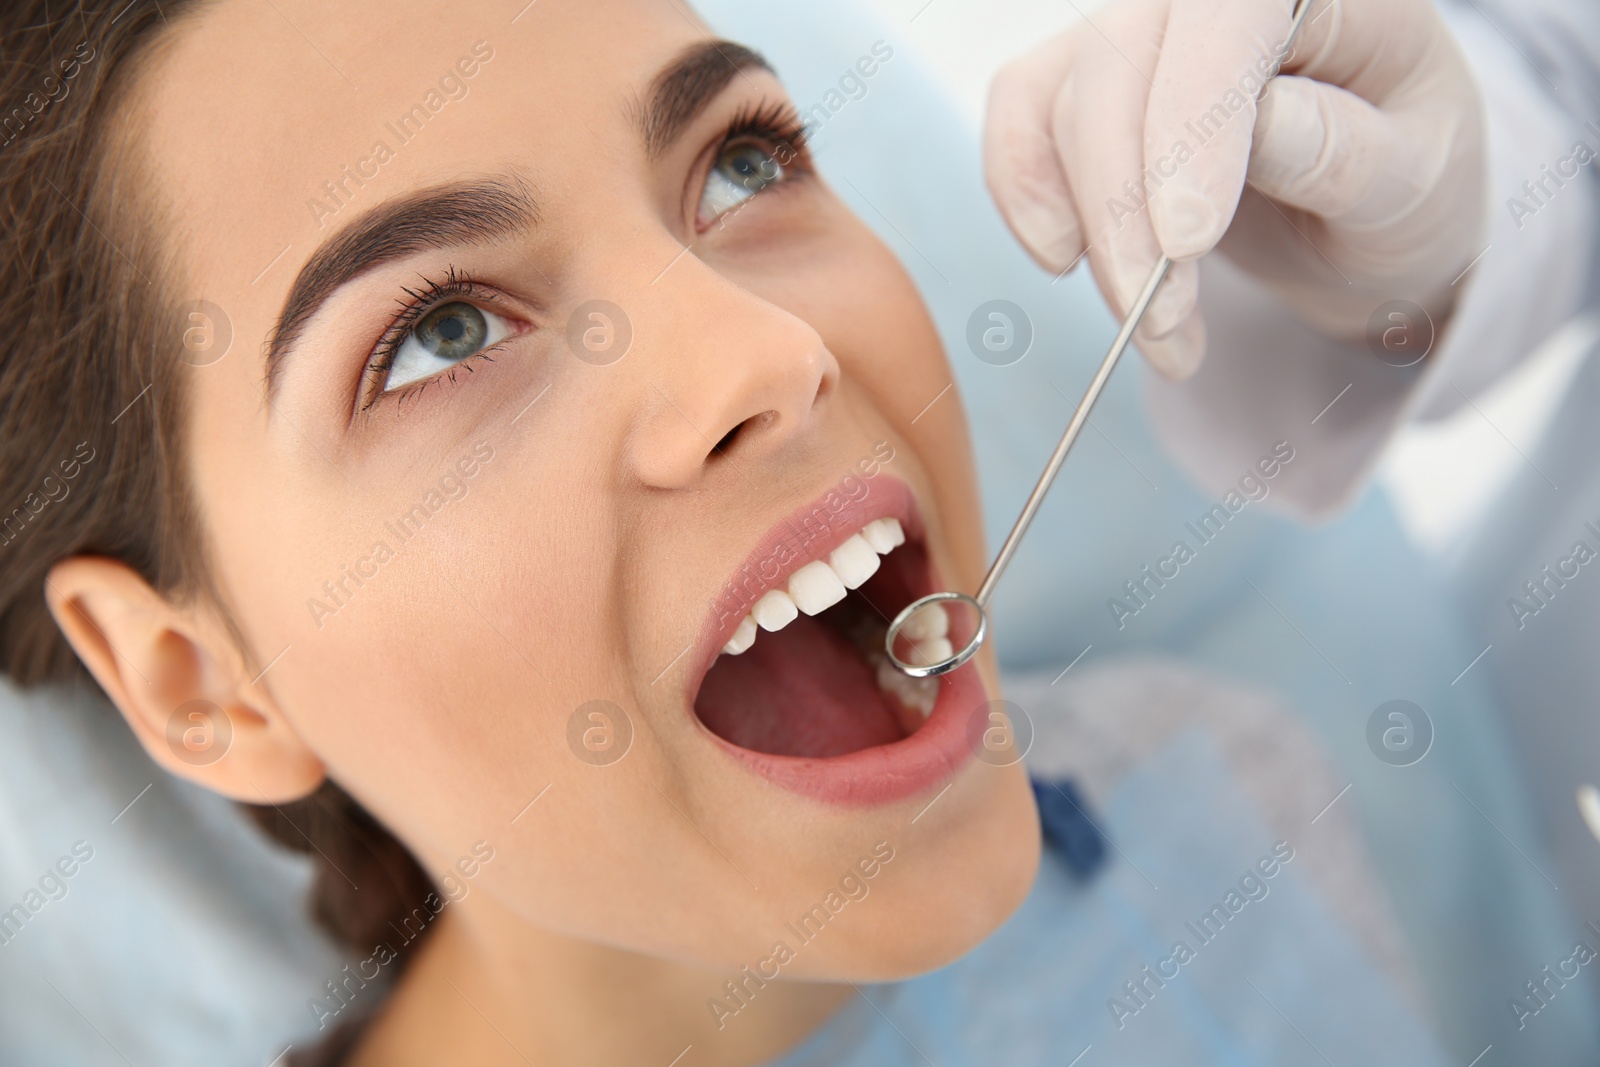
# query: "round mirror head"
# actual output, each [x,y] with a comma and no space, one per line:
[936,634]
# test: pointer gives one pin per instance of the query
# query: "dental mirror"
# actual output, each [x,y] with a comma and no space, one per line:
[921,641]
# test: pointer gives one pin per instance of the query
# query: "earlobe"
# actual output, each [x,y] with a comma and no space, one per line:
[181,683]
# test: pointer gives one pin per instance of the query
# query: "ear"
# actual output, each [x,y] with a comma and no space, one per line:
[179,679]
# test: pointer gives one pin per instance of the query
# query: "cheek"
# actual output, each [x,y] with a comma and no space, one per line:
[421,652]
[872,318]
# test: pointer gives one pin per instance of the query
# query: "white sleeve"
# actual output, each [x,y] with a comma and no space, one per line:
[1268,378]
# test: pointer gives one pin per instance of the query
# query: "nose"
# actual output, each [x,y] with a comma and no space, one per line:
[729,377]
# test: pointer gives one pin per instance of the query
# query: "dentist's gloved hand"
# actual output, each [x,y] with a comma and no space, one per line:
[1360,177]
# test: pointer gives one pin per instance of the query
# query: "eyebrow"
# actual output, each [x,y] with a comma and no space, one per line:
[490,209]
[690,82]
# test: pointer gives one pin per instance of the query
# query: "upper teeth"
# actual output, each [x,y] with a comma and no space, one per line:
[819,585]
[884,535]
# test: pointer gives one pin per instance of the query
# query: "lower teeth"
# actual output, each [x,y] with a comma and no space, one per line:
[917,694]
[914,694]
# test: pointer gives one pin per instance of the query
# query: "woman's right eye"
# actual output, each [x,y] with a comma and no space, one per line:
[442,339]
[740,171]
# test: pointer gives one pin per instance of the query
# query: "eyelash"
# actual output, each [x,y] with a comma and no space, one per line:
[775,123]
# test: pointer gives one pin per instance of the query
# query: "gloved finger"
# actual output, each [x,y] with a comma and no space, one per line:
[1176,350]
[1202,114]
[1183,348]
[1325,150]
[1386,92]
[1019,154]
[1374,48]
[1102,154]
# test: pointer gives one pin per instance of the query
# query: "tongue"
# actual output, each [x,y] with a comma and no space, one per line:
[803,691]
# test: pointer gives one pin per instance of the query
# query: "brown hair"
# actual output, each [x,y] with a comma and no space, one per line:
[91,384]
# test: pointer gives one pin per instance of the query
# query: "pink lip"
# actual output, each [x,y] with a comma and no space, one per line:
[884,773]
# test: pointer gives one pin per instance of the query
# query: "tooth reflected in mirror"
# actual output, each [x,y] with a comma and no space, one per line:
[934,632]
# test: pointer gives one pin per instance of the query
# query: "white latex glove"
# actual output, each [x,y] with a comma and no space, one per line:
[1365,159]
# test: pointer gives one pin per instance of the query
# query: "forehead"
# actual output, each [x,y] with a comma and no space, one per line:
[263,123]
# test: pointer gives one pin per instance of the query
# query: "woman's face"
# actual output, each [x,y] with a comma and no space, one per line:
[551,360]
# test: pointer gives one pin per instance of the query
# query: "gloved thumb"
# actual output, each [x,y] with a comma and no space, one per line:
[1327,151]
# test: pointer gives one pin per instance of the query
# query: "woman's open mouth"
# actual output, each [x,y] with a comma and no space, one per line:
[798,684]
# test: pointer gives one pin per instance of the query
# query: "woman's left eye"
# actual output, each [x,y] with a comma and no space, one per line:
[739,172]
[443,338]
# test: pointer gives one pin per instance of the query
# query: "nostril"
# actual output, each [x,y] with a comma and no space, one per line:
[742,430]
[726,443]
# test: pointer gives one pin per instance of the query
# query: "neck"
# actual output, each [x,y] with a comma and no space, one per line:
[489,989]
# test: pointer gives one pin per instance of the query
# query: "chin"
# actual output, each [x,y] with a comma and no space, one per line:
[957,882]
